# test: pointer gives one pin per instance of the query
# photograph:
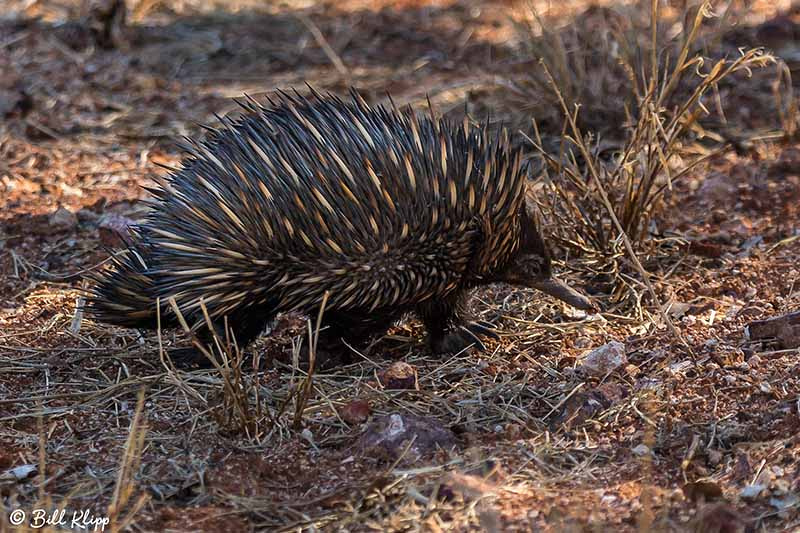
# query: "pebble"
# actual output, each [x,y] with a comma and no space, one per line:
[355,412]
[582,343]
[751,492]
[388,437]
[62,219]
[603,360]
[399,376]
[641,450]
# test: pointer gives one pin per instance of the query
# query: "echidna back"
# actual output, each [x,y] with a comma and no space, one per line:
[376,206]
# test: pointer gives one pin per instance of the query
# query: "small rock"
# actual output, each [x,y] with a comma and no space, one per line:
[702,491]
[62,220]
[680,367]
[573,313]
[648,384]
[608,499]
[783,504]
[399,376]
[732,313]
[711,344]
[114,230]
[586,404]
[603,360]
[784,329]
[678,309]
[18,473]
[306,434]
[751,492]
[355,412]
[388,436]
[714,457]
[705,248]
[609,393]
[641,450]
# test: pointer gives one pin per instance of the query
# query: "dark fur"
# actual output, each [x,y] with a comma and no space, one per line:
[282,205]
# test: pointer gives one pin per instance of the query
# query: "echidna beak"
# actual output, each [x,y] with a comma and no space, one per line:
[562,291]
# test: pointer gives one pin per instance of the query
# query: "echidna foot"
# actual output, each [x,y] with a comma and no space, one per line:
[463,337]
[482,327]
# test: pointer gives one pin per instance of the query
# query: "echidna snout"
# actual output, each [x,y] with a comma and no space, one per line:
[557,288]
[531,267]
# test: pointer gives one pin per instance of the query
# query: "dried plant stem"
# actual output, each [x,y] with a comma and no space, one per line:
[42,449]
[581,143]
[305,390]
[236,408]
[786,104]
[326,47]
[131,460]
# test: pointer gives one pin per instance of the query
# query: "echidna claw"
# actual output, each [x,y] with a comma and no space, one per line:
[481,327]
[469,329]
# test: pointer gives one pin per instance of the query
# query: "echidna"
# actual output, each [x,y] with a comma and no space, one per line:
[386,211]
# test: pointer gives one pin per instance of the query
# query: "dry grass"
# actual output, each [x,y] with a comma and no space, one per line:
[240,409]
[658,148]
[125,503]
[604,182]
[785,101]
[126,500]
[606,59]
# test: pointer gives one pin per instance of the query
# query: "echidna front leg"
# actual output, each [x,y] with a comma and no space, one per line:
[449,329]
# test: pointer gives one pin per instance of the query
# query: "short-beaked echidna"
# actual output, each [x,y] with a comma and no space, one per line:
[387,211]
